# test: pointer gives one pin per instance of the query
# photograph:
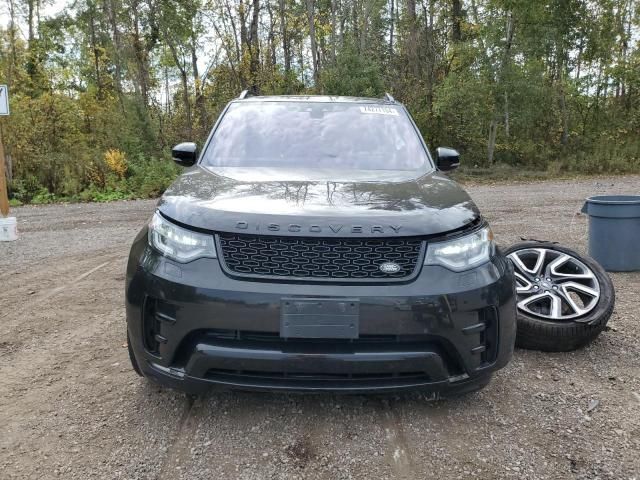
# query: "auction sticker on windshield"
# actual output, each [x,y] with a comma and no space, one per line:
[379,110]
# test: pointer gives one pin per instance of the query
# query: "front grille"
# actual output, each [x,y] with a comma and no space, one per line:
[318,381]
[219,373]
[262,358]
[273,340]
[319,258]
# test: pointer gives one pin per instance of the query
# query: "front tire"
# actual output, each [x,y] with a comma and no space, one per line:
[564,299]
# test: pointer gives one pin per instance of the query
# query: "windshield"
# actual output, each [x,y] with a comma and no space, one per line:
[316,135]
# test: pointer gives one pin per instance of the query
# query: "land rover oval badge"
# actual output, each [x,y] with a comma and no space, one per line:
[389,267]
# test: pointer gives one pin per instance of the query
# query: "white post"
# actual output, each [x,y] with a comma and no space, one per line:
[8,228]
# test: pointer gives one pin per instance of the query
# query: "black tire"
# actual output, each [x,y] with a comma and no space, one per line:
[134,362]
[549,335]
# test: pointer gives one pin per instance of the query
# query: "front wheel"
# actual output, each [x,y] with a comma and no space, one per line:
[564,299]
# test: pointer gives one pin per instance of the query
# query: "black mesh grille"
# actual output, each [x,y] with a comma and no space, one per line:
[319,258]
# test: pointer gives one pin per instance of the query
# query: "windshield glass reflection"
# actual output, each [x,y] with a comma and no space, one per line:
[316,135]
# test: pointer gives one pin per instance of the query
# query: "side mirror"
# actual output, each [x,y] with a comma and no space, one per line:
[185,154]
[447,159]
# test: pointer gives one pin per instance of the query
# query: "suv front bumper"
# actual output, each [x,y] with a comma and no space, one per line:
[192,327]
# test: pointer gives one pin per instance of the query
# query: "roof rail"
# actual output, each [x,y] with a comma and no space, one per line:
[388,97]
[250,92]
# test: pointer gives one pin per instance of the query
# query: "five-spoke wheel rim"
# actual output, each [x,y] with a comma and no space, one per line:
[553,285]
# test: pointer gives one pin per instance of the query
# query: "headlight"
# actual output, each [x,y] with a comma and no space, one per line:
[462,253]
[178,243]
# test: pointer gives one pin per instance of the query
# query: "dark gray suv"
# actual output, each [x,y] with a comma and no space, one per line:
[314,245]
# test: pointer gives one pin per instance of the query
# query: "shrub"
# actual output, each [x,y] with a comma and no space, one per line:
[116,162]
[43,197]
[25,189]
[150,178]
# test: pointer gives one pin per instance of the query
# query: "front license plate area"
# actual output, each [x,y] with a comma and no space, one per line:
[319,318]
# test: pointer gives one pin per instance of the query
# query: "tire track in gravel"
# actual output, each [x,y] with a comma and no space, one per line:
[178,454]
[48,315]
[398,448]
[32,356]
[67,354]
[38,283]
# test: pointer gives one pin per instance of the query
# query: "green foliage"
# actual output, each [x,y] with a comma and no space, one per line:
[43,196]
[101,91]
[460,115]
[151,177]
[24,189]
[93,194]
[354,75]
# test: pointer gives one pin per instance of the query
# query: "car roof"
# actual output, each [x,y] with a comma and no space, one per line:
[316,99]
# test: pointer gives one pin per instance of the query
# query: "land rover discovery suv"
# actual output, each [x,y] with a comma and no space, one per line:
[314,244]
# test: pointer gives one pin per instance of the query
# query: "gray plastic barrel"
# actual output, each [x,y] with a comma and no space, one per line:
[614,231]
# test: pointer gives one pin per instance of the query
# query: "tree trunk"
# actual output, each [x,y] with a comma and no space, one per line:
[194,60]
[185,100]
[200,107]
[32,52]
[456,17]
[253,43]
[94,49]
[184,80]
[12,40]
[167,91]
[301,61]
[31,8]
[244,44]
[430,55]
[506,60]
[232,21]
[579,60]
[564,114]
[506,114]
[141,57]
[364,31]
[314,44]
[272,36]
[509,41]
[491,144]
[391,25]
[244,36]
[286,47]
[412,38]
[626,38]
[112,8]
[343,22]
[562,101]
[334,26]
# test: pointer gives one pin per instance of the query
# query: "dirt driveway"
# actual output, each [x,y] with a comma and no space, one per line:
[71,407]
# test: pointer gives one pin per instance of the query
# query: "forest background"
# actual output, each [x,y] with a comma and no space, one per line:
[101,89]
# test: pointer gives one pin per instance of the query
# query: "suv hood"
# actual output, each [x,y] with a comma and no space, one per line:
[306,203]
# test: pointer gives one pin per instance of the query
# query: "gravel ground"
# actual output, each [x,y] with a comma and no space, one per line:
[71,407]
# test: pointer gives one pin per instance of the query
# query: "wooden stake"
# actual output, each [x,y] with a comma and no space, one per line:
[4,196]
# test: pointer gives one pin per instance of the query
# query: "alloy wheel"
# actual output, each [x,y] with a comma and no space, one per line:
[553,285]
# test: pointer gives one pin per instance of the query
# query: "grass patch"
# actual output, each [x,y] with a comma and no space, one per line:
[501,173]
